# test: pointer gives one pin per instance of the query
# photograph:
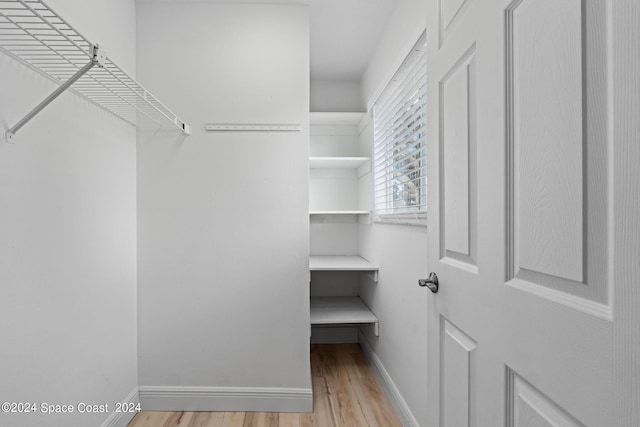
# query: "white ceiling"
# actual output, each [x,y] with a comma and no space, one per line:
[344,34]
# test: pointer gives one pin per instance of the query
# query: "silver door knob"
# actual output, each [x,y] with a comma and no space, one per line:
[430,282]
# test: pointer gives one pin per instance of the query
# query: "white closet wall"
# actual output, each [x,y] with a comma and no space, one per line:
[399,250]
[334,95]
[223,219]
[68,236]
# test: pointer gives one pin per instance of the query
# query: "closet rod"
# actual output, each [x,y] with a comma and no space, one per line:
[97,58]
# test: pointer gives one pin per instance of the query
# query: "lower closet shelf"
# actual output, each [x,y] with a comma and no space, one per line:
[342,263]
[341,310]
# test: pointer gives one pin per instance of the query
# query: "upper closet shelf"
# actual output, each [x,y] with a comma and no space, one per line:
[340,263]
[35,35]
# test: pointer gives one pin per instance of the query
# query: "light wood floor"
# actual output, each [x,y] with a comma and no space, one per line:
[345,394]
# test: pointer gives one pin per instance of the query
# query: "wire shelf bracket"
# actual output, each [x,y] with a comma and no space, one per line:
[35,35]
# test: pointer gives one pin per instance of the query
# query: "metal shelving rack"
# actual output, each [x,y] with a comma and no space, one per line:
[35,35]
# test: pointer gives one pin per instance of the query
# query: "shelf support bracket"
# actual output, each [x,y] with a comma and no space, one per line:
[373,275]
[98,57]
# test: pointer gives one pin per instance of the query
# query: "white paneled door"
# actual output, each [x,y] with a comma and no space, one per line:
[534,190]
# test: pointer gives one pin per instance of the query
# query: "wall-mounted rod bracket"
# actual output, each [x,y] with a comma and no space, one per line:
[98,58]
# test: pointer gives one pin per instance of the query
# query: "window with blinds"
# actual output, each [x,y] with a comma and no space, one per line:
[399,120]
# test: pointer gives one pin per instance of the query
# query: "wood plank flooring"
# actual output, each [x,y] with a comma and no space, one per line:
[345,394]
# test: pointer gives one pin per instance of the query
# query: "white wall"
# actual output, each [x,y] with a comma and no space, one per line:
[400,305]
[223,221]
[403,30]
[332,95]
[400,250]
[68,236]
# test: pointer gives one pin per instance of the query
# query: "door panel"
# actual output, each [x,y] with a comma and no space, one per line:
[448,12]
[529,408]
[520,117]
[547,136]
[449,9]
[458,372]
[563,352]
[557,147]
[458,164]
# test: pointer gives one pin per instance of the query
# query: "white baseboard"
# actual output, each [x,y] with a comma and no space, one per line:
[245,399]
[390,390]
[121,419]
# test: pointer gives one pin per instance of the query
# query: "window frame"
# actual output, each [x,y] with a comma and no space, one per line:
[399,126]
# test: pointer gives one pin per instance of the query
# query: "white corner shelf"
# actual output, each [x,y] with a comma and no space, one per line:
[336,168]
[340,263]
[38,37]
[343,263]
[342,310]
[339,216]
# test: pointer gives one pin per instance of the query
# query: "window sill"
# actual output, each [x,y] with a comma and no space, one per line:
[419,220]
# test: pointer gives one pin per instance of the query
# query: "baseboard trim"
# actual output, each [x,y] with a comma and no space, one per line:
[245,399]
[121,419]
[388,386]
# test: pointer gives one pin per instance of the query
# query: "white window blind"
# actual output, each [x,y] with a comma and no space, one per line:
[399,120]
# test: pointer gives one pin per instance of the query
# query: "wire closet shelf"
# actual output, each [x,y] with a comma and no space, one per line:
[35,35]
